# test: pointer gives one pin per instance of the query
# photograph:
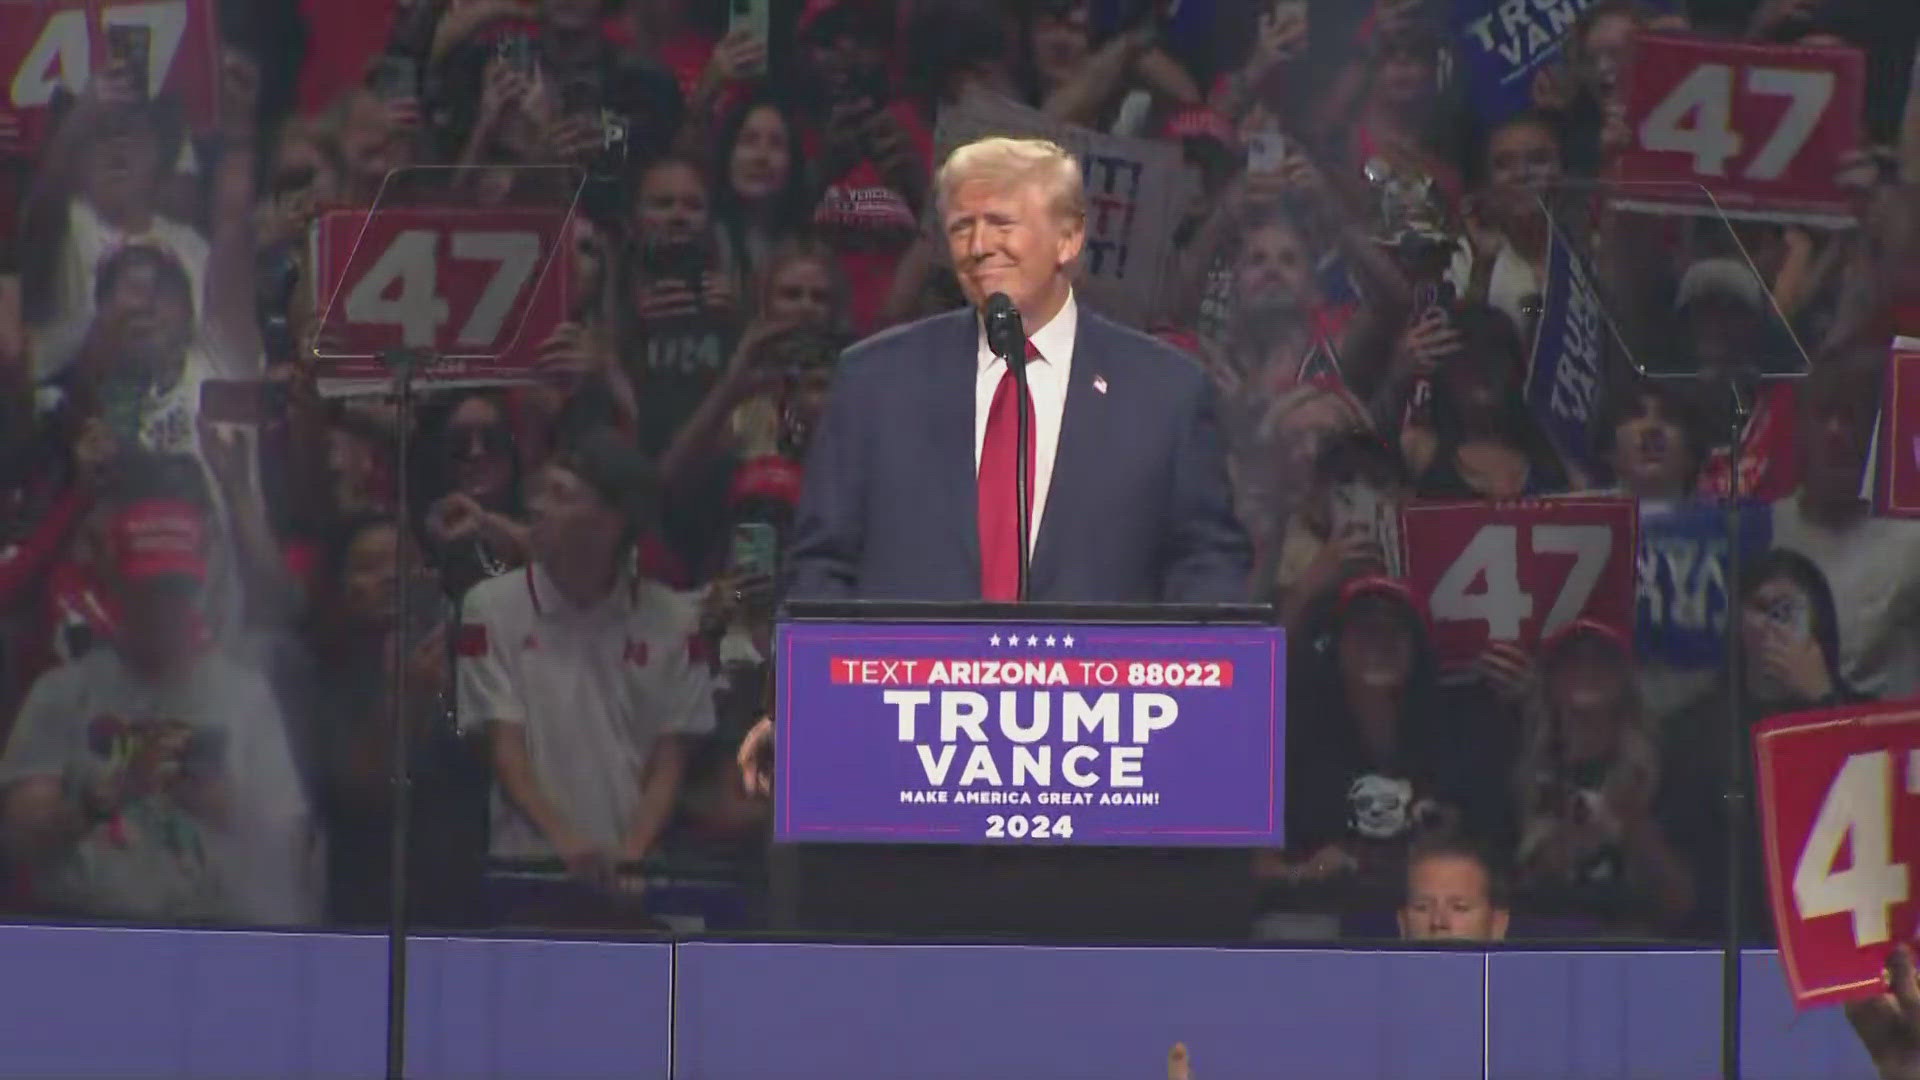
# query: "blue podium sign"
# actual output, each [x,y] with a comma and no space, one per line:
[900,733]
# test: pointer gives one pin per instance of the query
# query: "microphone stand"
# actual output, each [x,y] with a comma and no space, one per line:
[1022,468]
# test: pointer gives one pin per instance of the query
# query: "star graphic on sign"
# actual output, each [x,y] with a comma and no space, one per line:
[1032,641]
[1067,641]
[994,641]
[1051,641]
[1013,641]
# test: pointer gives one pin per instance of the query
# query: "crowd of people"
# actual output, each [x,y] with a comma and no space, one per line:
[203,556]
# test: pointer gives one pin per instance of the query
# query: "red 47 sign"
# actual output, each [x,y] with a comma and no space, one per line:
[1896,463]
[49,44]
[1840,828]
[477,290]
[1518,571]
[1764,127]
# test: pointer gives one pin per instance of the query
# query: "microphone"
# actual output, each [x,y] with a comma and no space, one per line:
[1005,335]
[1008,340]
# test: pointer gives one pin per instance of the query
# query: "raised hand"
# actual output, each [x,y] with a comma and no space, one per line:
[571,351]
[1425,345]
[226,452]
[454,518]
[756,759]
[717,292]
[740,55]
[1796,663]
[1507,668]
[1889,1025]
[667,299]
[94,451]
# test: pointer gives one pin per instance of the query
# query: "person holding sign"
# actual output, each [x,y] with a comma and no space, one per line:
[1889,1025]
[97,191]
[1375,760]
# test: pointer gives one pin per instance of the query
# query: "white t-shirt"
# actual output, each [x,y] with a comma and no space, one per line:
[88,242]
[85,721]
[592,688]
[1873,567]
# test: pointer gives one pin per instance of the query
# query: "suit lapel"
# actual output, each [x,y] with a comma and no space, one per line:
[1082,433]
[955,481]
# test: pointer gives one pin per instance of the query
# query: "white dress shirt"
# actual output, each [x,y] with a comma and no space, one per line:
[1047,382]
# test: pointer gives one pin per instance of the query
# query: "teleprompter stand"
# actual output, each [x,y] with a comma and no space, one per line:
[1642,290]
[499,262]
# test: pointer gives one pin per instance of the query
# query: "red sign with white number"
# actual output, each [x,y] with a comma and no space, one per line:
[1840,827]
[49,44]
[476,290]
[1897,463]
[1518,571]
[1766,128]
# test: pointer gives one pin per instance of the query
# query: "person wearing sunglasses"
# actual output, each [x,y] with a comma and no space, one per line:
[474,525]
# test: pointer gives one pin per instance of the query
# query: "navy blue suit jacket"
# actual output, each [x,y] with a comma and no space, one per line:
[1138,509]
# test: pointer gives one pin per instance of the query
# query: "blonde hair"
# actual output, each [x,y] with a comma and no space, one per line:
[1009,163]
[796,250]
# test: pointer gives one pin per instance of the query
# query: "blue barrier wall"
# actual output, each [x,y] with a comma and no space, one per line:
[96,1003]
[966,1013]
[159,1003]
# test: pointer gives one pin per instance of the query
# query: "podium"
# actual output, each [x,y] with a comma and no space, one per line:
[1053,770]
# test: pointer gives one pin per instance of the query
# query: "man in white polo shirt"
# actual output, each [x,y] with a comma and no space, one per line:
[586,678]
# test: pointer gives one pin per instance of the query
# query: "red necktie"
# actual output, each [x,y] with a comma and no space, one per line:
[999,521]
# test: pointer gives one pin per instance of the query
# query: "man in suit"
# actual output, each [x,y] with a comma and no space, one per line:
[909,479]
[909,495]
[909,484]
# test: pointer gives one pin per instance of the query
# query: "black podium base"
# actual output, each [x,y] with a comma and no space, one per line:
[1138,894]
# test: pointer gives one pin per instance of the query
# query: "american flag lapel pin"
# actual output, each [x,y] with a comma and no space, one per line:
[1099,384]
